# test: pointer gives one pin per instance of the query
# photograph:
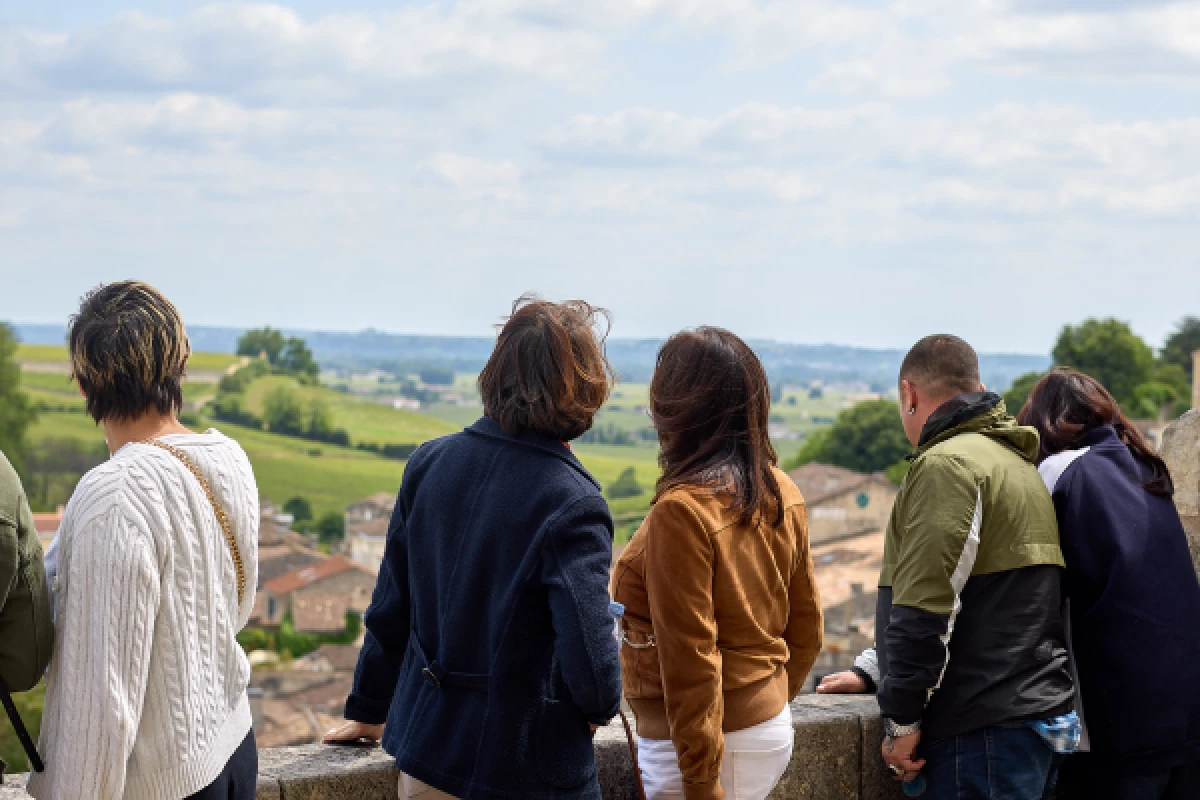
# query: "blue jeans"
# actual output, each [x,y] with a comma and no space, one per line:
[1009,762]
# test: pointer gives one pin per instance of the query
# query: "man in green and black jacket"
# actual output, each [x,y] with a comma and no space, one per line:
[971,647]
[26,627]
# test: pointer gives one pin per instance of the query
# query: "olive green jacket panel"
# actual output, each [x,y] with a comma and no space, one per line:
[26,629]
[972,498]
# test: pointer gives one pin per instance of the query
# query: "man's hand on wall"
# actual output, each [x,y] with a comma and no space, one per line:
[848,682]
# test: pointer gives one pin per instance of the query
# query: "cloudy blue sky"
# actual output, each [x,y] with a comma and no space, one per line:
[804,170]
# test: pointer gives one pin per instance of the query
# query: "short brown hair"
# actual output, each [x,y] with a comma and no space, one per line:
[548,372]
[942,364]
[128,349]
[710,401]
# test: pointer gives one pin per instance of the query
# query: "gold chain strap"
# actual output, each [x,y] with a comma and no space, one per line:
[222,517]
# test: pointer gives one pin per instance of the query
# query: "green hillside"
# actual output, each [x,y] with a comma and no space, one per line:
[364,420]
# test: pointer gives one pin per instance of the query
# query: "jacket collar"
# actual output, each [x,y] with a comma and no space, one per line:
[490,428]
[1105,434]
[954,413]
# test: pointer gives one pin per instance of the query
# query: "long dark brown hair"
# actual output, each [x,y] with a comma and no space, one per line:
[710,400]
[1066,405]
[548,372]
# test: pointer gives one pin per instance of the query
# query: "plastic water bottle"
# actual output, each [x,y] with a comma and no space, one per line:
[617,610]
[914,788]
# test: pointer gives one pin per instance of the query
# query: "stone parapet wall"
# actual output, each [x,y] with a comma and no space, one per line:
[1181,450]
[836,758]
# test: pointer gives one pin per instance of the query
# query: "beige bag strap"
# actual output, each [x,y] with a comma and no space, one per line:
[222,517]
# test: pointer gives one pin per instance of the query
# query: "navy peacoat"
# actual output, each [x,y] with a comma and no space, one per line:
[489,644]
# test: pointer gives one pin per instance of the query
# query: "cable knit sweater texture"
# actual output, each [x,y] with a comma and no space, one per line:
[146,693]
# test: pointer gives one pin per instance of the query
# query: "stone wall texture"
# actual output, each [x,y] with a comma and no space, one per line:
[1181,450]
[836,758]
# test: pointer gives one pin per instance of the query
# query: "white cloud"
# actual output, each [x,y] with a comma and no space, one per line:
[477,177]
[642,140]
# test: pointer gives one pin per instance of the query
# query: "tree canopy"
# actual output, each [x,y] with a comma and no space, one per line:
[1181,343]
[299,508]
[16,411]
[1018,393]
[261,341]
[1109,351]
[865,438]
[626,485]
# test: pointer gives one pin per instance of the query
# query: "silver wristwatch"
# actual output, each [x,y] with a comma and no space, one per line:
[894,731]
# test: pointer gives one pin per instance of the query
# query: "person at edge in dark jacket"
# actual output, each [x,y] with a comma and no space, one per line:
[489,647]
[1133,597]
[970,664]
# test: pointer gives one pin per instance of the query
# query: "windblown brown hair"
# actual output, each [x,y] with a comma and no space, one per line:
[1066,405]
[548,372]
[128,350]
[710,401]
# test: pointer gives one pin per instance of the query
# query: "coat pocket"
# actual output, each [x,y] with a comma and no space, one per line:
[640,670]
[563,745]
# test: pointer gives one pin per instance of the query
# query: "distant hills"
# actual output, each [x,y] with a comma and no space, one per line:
[793,364]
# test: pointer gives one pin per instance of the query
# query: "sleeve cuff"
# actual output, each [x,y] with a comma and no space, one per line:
[362,709]
[901,707]
[867,679]
[712,790]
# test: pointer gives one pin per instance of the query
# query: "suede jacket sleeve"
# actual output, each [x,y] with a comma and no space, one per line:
[938,543]
[680,558]
[805,628]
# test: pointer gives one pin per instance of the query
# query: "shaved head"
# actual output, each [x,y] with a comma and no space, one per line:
[941,365]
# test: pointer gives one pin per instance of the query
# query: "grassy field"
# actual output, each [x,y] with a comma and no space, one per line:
[30,705]
[331,477]
[364,420]
[57,390]
[57,354]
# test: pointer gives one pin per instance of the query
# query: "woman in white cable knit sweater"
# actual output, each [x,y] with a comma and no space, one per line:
[146,693]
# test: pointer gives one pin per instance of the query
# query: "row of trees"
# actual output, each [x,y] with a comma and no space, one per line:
[286,354]
[284,410]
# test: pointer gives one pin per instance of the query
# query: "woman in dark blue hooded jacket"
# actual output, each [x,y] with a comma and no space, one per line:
[1134,600]
[489,650]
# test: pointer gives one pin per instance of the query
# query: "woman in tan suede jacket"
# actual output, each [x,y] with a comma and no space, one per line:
[722,622]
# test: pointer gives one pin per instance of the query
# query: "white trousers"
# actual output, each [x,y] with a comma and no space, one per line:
[755,760]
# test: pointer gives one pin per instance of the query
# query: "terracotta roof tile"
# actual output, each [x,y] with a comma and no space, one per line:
[47,522]
[306,576]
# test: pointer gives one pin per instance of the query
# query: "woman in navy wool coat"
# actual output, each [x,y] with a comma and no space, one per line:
[489,650]
[1134,600]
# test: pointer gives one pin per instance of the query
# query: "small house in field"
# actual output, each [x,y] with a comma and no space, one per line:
[843,503]
[365,541]
[376,506]
[319,596]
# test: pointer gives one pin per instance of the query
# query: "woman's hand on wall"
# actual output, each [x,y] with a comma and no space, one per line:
[352,733]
